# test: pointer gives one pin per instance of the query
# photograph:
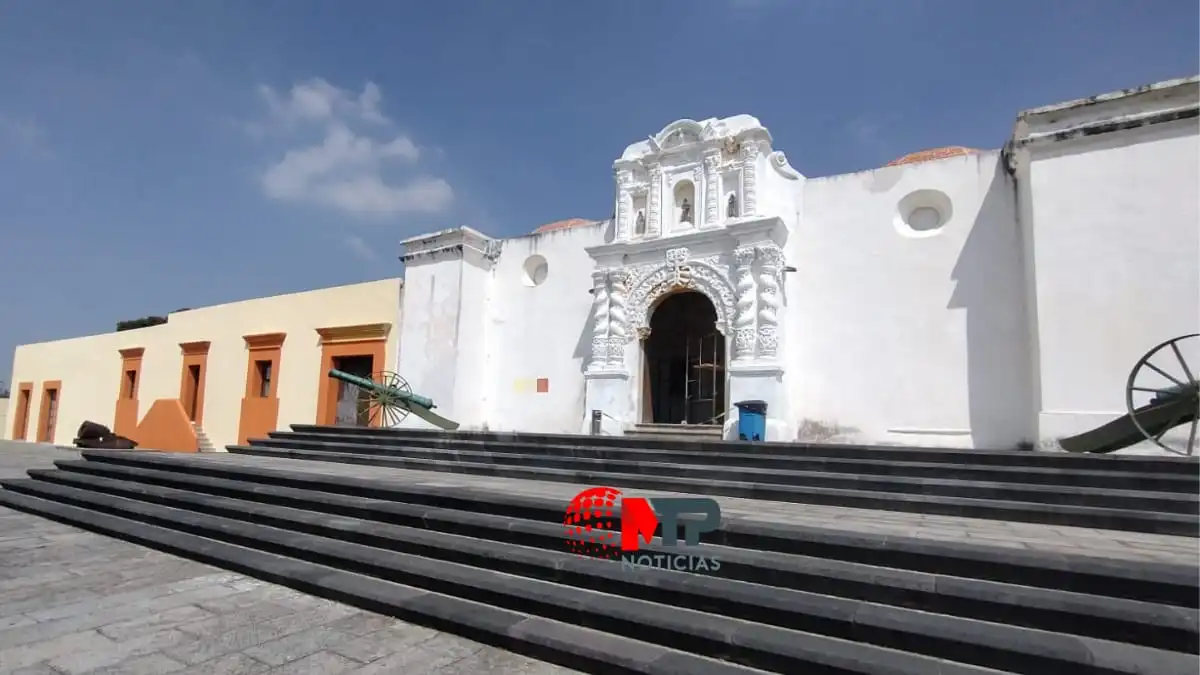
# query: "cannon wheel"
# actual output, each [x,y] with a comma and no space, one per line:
[1176,377]
[382,408]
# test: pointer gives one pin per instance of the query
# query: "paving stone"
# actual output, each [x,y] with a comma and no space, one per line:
[415,661]
[147,664]
[321,663]
[152,598]
[171,618]
[253,613]
[381,643]
[101,656]
[168,604]
[365,623]
[496,662]
[46,650]
[36,669]
[229,664]
[253,633]
[298,645]
[16,621]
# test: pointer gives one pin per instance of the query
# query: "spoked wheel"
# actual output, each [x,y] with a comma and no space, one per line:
[384,407]
[1162,394]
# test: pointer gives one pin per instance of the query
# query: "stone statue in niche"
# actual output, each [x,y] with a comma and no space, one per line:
[685,211]
[731,207]
[639,227]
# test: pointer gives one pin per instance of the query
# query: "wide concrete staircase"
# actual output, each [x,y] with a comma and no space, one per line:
[1141,494]
[491,563]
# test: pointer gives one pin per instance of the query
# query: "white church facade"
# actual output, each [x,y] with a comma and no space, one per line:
[955,298]
[960,298]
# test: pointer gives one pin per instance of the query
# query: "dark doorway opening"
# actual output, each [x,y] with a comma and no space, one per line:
[685,362]
[350,411]
[191,396]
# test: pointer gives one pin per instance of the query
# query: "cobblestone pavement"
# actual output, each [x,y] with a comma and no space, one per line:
[1032,536]
[75,602]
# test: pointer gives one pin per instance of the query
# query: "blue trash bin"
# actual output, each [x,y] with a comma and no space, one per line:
[752,420]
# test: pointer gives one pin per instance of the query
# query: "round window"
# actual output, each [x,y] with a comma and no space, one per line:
[535,270]
[923,213]
[924,218]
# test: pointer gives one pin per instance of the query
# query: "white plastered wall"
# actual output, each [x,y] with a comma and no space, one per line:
[1115,233]
[903,338]
[483,325]
[543,331]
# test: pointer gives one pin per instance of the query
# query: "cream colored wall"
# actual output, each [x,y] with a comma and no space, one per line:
[90,367]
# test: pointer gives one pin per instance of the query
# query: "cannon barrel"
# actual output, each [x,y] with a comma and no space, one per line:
[363,383]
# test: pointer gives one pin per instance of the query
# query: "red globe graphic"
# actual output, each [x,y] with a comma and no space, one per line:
[591,528]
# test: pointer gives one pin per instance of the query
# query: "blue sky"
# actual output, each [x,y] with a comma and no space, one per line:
[157,155]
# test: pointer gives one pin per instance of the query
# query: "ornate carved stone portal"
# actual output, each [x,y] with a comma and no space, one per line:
[688,219]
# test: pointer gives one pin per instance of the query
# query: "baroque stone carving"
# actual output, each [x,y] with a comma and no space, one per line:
[779,162]
[743,319]
[623,204]
[600,319]
[712,161]
[677,257]
[618,319]
[749,156]
[654,219]
[769,299]
[648,283]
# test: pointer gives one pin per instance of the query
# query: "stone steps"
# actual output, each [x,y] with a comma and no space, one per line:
[1100,494]
[762,456]
[494,567]
[689,432]
[1177,466]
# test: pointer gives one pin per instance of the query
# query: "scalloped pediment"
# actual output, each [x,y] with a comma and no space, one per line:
[676,134]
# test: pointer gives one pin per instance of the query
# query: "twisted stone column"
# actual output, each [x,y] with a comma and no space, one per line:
[618,320]
[769,300]
[600,319]
[743,318]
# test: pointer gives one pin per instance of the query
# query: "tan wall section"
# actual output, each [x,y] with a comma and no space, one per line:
[91,368]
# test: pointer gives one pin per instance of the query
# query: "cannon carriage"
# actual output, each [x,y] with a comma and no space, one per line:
[387,400]
[1162,394]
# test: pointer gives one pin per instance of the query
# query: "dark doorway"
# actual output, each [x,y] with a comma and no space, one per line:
[685,362]
[349,411]
[191,396]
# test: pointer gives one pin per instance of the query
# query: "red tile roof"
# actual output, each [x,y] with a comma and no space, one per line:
[564,224]
[932,154]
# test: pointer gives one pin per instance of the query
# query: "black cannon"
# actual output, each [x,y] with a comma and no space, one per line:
[95,436]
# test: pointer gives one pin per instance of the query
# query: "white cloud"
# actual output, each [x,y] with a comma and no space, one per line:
[346,169]
[320,101]
[359,247]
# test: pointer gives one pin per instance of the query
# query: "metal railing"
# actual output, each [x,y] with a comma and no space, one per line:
[597,419]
